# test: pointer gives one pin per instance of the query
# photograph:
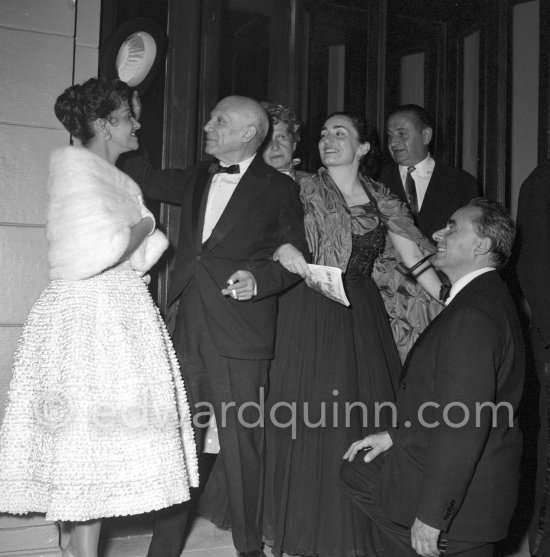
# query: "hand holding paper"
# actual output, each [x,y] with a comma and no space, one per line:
[328,281]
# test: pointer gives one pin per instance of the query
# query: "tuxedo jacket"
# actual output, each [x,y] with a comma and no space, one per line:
[461,480]
[264,212]
[533,266]
[449,189]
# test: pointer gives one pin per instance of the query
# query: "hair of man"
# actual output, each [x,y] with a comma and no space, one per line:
[495,224]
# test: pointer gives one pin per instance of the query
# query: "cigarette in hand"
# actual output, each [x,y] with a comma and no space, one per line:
[233,292]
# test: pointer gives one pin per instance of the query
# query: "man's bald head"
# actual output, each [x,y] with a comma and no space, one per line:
[236,129]
[253,113]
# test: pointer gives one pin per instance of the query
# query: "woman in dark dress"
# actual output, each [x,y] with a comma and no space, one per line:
[328,355]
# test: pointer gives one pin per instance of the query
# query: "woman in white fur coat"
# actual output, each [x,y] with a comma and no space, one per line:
[97,422]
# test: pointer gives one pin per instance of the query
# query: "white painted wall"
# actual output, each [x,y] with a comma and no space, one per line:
[43,45]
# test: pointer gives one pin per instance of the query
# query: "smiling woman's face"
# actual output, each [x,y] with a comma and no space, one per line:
[123,126]
[339,143]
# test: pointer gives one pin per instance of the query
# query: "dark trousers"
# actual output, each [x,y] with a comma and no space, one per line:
[228,385]
[360,479]
[172,524]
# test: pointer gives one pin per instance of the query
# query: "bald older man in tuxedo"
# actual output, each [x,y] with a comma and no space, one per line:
[235,213]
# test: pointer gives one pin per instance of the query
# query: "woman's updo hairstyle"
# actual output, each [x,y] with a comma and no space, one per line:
[281,114]
[79,106]
[369,164]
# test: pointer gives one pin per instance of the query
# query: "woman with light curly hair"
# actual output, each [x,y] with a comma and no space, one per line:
[285,135]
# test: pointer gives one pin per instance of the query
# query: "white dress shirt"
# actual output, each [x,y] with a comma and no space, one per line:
[221,189]
[421,175]
[462,282]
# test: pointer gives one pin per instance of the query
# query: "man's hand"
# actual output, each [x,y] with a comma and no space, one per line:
[424,539]
[374,444]
[241,286]
[292,260]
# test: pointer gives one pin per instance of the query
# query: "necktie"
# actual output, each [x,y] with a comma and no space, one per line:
[444,292]
[216,168]
[410,190]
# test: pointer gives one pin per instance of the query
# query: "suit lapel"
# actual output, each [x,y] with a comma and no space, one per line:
[200,196]
[434,200]
[245,194]
[395,183]
[419,340]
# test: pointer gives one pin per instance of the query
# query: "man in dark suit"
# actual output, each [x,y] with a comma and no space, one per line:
[235,214]
[447,473]
[533,268]
[435,190]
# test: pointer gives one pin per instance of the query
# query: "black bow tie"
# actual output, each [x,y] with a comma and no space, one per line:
[216,168]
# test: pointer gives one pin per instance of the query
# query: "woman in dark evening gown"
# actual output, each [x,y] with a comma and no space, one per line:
[328,354]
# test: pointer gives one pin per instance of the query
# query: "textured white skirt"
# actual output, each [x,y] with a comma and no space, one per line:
[97,422]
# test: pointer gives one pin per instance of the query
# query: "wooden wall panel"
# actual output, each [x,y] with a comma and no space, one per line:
[524,97]
[544,82]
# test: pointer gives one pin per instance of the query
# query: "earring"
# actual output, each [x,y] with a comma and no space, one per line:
[107,135]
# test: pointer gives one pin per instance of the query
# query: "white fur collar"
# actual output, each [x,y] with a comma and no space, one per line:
[92,205]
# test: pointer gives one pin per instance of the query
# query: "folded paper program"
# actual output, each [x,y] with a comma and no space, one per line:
[328,281]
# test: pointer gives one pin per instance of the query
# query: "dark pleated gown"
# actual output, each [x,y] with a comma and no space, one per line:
[327,357]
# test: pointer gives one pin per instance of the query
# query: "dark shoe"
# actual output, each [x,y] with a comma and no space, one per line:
[255,553]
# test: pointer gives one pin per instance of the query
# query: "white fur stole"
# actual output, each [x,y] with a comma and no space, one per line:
[92,206]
